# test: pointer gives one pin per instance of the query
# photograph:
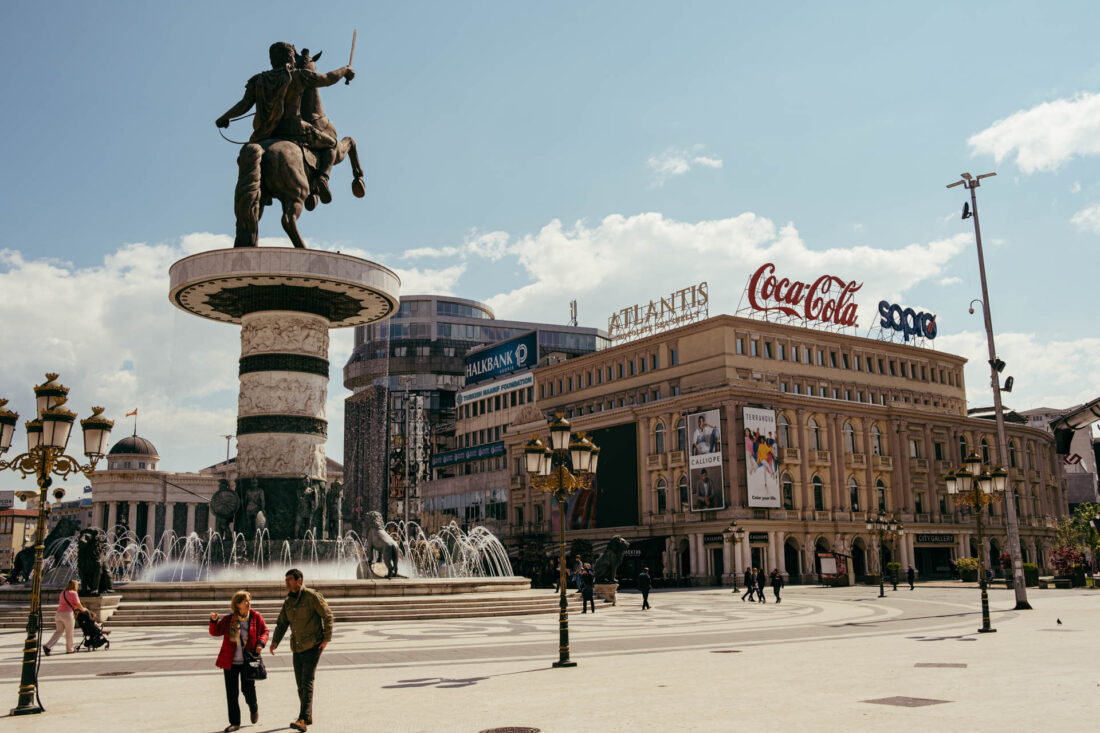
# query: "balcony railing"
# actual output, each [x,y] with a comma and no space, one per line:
[920,465]
[823,516]
[676,458]
[655,461]
[855,460]
[789,455]
[885,463]
[820,457]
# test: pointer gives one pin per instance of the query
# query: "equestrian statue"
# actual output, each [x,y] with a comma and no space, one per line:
[293,145]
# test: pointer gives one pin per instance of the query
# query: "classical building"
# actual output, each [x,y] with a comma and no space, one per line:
[16,532]
[841,428]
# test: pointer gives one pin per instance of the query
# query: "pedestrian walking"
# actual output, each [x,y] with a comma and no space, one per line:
[243,629]
[761,581]
[750,583]
[645,583]
[578,570]
[68,604]
[777,583]
[588,588]
[910,575]
[310,622]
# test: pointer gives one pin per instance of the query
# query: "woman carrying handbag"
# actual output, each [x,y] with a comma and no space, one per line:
[244,634]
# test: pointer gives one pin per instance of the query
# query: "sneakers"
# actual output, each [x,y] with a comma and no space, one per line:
[230,728]
[299,725]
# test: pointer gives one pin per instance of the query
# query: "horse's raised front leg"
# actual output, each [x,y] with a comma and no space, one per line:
[346,148]
[291,211]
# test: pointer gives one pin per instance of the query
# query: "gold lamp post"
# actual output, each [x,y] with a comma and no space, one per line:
[978,487]
[547,470]
[733,535]
[883,527]
[47,436]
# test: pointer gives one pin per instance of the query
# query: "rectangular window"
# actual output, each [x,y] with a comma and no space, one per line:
[893,368]
[653,361]
[834,393]
[496,402]
[832,359]
[782,352]
[673,357]
[847,394]
[782,386]
[621,371]
[821,358]
[938,448]
[844,360]
[904,371]
[754,347]
[642,361]
[859,366]
[676,391]
[797,388]
[768,349]
[632,372]
[740,346]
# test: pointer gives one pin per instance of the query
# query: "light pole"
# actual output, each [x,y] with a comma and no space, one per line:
[978,487]
[734,534]
[547,470]
[47,436]
[995,366]
[883,526]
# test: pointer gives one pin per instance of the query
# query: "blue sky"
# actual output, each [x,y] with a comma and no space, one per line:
[529,153]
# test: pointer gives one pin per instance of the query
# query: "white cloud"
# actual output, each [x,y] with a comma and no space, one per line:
[1054,373]
[678,161]
[951,280]
[1088,219]
[430,252]
[1046,136]
[436,282]
[1076,187]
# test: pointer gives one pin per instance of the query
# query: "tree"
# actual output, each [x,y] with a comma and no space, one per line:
[1077,532]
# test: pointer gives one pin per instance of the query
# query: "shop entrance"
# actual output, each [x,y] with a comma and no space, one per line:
[717,564]
[933,562]
[758,558]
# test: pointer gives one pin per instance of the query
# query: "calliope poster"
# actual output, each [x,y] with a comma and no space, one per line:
[705,461]
[761,461]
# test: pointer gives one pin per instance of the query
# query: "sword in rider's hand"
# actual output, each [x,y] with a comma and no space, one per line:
[354,32]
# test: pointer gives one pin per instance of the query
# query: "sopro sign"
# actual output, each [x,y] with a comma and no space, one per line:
[828,298]
[907,320]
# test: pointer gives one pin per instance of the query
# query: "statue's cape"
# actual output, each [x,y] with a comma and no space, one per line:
[268,91]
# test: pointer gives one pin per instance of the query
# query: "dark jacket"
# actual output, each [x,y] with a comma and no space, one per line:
[777,581]
[309,618]
[748,577]
[644,581]
[588,580]
[257,637]
[761,580]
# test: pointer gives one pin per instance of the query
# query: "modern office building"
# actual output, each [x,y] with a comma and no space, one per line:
[796,434]
[404,375]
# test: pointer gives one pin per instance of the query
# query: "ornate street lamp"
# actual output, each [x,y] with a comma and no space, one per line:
[978,488]
[47,436]
[547,470]
[883,526]
[733,535]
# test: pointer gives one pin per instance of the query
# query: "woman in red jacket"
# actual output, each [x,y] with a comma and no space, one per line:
[242,629]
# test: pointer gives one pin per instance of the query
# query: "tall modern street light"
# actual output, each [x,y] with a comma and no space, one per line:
[547,470]
[47,436]
[883,526]
[977,488]
[995,367]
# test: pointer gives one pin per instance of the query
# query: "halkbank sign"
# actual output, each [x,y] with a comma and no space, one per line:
[521,352]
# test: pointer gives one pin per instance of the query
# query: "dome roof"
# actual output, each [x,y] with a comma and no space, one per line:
[133,445]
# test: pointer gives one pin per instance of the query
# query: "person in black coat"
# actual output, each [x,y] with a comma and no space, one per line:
[588,588]
[645,583]
[750,583]
[761,581]
[910,575]
[777,583]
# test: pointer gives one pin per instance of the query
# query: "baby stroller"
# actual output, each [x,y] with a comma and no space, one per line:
[94,635]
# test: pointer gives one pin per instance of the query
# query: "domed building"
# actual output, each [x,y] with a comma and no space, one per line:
[133,452]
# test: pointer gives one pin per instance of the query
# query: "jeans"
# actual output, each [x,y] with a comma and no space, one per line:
[305,667]
[232,698]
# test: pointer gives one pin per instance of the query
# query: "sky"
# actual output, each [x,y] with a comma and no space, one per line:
[528,154]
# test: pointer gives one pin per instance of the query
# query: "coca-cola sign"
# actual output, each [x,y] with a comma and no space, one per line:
[827,299]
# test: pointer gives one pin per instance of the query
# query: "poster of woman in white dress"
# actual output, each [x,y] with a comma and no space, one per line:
[761,461]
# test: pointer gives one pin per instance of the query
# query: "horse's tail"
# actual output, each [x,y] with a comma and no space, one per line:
[246,200]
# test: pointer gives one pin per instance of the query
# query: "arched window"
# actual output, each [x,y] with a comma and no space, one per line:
[963,449]
[849,438]
[876,440]
[985,451]
[1031,457]
[788,491]
[1012,454]
[784,432]
[819,493]
[662,496]
[683,487]
[880,495]
[853,493]
[815,434]
[681,435]
[659,438]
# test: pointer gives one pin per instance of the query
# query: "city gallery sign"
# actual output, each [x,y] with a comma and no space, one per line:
[828,299]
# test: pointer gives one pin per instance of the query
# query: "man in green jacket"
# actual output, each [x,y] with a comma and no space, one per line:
[310,622]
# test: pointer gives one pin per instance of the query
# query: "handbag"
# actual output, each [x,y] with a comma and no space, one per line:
[253,666]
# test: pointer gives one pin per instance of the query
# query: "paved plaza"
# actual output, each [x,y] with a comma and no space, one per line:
[701,660]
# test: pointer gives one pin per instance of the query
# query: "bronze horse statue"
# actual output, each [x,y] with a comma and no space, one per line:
[288,171]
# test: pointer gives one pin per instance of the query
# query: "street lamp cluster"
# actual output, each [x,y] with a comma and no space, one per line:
[884,527]
[733,535]
[47,437]
[978,487]
[547,469]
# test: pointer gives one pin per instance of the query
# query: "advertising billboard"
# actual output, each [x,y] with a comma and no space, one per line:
[761,462]
[705,482]
[498,360]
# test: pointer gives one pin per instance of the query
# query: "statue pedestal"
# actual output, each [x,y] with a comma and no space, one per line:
[606,591]
[285,300]
[102,606]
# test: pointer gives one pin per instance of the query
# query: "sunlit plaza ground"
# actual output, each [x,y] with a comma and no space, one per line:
[700,660]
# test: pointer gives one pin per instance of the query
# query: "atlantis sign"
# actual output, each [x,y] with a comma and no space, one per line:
[680,307]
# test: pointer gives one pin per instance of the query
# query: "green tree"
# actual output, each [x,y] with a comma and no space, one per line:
[1076,532]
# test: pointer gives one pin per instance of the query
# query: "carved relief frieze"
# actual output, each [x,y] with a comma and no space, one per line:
[282,393]
[284,333]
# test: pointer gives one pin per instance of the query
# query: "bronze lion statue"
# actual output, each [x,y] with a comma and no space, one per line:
[91,561]
[607,566]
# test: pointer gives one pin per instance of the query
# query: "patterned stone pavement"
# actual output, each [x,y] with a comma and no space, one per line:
[824,659]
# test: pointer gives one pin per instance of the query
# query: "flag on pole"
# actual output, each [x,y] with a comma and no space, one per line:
[130,414]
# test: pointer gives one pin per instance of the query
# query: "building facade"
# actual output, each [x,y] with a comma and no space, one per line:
[860,426]
[1079,463]
[17,528]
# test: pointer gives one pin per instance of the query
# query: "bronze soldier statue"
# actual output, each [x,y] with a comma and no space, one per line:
[277,96]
